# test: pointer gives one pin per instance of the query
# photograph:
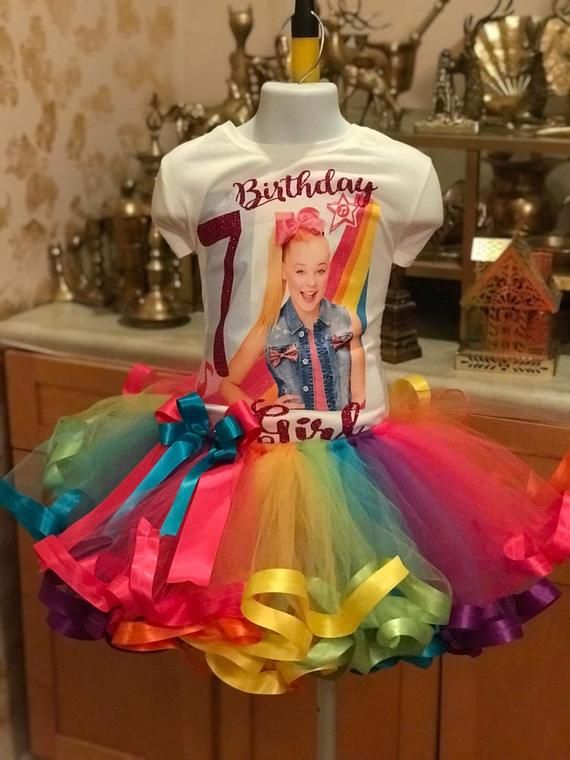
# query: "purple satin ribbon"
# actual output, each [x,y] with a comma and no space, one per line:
[68,614]
[471,628]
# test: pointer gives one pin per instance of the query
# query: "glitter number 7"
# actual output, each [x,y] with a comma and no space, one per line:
[225,227]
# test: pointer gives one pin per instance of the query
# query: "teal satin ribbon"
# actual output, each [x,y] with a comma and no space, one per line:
[185,439]
[227,433]
[434,649]
[40,521]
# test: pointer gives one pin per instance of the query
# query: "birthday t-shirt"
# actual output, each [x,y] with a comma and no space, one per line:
[295,245]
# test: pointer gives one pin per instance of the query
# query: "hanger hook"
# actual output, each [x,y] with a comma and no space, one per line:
[323,31]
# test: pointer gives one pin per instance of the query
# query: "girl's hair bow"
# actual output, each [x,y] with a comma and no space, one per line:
[287,224]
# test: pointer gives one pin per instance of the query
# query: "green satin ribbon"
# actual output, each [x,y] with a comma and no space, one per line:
[96,431]
[66,441]
[402,627]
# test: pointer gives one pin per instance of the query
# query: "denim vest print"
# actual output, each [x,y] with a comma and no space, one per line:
[288,355]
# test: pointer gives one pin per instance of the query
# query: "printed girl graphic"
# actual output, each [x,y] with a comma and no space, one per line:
[312,346]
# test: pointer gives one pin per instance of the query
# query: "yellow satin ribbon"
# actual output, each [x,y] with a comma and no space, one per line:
[409,393]
[402,626]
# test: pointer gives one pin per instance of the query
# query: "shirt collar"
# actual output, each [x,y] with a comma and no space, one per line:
[325,315]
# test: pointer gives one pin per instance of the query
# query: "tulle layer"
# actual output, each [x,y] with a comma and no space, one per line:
[279,560]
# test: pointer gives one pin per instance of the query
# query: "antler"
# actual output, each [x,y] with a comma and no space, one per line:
[355,19]
[471,27]
[439,7]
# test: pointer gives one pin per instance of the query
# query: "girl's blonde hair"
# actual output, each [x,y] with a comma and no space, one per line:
[275,285]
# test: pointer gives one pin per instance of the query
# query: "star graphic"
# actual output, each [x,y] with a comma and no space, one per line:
[343,211]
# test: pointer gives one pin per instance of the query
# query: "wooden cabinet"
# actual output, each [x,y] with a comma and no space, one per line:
[89,702]
[513,702]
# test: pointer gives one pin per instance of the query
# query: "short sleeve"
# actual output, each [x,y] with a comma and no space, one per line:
[425,219]
[170,212]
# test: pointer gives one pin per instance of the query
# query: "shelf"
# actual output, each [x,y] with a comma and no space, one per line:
[435,270]
[489,139]
[562,280]
[450,270]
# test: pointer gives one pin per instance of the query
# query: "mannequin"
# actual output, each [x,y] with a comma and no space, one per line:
[296,114]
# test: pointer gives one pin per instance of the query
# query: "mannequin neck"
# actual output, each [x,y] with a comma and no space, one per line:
[296,113]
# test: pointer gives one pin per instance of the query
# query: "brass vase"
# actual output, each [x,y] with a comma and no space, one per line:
[519,201]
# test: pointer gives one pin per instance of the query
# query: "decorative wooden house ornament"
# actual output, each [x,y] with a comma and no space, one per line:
[507,319]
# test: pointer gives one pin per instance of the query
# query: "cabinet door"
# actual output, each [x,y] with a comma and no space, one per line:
[512,702]
[391,714]
[41,389]
[541,445]
[87,701]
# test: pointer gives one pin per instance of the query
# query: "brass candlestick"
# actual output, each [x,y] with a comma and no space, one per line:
[62,293]
[157,307]
[130,225]
[150,300]
[399,333]
[79,268]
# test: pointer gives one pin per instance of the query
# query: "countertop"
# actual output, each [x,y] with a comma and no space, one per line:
[75,330]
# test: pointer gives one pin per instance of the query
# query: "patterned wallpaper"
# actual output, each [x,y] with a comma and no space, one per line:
[75,78]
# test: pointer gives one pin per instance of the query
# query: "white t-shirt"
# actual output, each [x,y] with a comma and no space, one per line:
[295,245]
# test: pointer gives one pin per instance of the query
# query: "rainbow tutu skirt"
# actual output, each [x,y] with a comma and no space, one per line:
[271,562]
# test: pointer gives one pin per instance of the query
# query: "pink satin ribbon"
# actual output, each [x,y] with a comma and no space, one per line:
[206,520]
[140,375]
[174,609]
[541,560]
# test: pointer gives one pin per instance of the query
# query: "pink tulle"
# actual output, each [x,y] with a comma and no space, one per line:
[465,499]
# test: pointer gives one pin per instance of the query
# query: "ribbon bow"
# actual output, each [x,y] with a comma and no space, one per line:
[340,341]
[185,429]
[209,486]
[287,224]
[277,355]
[226,435]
